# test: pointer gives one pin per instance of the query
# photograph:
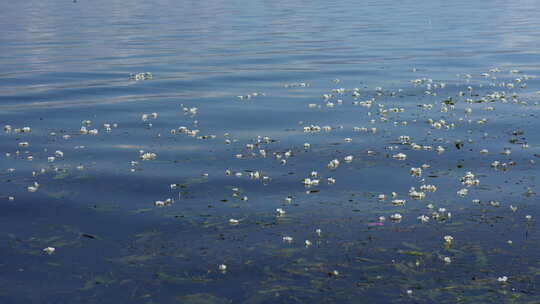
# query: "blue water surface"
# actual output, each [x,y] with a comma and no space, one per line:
[263,75]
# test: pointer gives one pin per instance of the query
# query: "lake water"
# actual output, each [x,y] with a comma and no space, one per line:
[403,94]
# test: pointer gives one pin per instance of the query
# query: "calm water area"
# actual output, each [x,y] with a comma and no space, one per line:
[239,151]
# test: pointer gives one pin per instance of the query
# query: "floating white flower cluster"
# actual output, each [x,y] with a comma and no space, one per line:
[463,192]
[333,164]
[364,129]
[404,139]
[469,180]
[416,172]
[164,203]
[428,188]
[49,250]
[9,129]
[84,130]
[448,239]
[222,268]
[288,239]
[140,76]
[33,188]
[396,217]
[399,202]
[400,156]
[417,195]
[146,117]
[310,182]
[423,218]
[250,95]
[296,85]
[280,212]
[147,155]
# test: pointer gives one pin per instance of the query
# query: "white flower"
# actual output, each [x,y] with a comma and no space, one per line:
[318,232]
[448,239]
[331,180]
[469,180]
[311,182]
[233,221]
[416,194]
[463,192]
[398,202]
[404,139]
[348,158]
[381,197]
[502,279]
[222,267]
[447,260]
[428,188]
[148,156]
[288,239]
[33,188]
[396,217]
[399,156]
[416,172]
[255,175]
[280,212]
[59,153]
[49,250]
[506,151]
[167,202]
[307,243]
[333,164]
[423,218]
